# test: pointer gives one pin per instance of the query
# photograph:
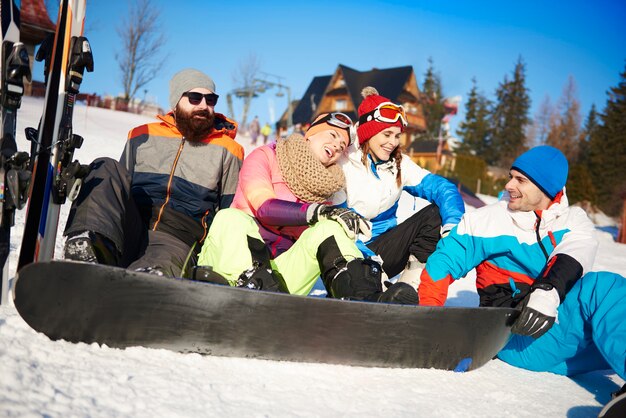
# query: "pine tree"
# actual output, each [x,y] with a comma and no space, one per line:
[541,122]
[510,118]
[607,151]
[564,131]
[475,130]
[432,102]
[580,185]
[590,129]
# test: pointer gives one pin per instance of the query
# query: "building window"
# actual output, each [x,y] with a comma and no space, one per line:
[341,105]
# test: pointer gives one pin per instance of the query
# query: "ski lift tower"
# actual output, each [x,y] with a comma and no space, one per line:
[264,83]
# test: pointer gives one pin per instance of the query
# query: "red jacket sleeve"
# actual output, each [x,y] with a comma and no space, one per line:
[433,293]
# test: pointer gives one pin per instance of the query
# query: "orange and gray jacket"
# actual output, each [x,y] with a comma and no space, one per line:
[179,185]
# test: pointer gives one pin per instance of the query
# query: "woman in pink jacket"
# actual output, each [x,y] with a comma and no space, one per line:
[281,233]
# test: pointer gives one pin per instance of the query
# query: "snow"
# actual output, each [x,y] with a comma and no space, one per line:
[39,377]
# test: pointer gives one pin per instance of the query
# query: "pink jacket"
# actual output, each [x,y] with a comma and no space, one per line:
[260,180]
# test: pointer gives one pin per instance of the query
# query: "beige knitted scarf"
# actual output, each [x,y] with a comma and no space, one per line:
[305,175]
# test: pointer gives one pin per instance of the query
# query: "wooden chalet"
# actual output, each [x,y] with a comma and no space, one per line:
[341,92]
[35,25]
[429,155]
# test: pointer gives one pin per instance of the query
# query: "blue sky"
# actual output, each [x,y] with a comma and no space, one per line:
[300,40]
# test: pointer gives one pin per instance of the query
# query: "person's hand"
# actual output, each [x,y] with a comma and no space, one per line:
[539,310]
[350,221]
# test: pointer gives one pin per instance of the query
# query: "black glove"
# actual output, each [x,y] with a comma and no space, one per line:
[539,310]
[350,221]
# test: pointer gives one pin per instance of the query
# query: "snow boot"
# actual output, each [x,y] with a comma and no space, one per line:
[91,247]
[154,270]
[358,279]
[412,273]
[207,274]
[402,293]
[261,276]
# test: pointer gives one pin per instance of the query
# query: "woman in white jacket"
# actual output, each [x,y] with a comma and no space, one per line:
[377,173]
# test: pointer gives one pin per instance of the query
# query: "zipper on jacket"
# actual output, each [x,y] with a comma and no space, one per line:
[537,224]
[204,226]
[169,184]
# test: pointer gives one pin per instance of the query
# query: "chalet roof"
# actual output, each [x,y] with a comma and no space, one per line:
[34,12]
[389,82]
[35,22]
[424,146]
[303,112]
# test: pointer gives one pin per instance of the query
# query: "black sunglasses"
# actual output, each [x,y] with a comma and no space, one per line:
[195,98]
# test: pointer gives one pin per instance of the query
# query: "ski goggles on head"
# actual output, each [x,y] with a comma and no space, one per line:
[385,112]
[338,119]
[195,98]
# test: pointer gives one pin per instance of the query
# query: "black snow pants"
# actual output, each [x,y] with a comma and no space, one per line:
[105,205]
[417,235]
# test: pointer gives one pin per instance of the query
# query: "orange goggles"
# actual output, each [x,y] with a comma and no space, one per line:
[385,112]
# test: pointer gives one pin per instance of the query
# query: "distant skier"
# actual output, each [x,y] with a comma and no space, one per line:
[254,129]
[376,175]
[266,130]
[281,232]
[533,251]
[153,209]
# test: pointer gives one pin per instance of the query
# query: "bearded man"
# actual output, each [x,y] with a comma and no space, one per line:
[151,210]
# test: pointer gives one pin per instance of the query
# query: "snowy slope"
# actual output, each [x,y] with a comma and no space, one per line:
[39,377]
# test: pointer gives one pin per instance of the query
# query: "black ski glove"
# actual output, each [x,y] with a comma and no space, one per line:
[350,221]
[539,310]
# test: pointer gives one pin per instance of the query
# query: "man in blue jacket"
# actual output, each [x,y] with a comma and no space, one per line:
[532,250]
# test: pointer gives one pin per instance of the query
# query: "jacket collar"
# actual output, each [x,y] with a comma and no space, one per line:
[355,155]
[528,220]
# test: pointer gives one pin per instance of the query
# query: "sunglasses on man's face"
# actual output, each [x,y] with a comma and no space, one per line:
[195,98]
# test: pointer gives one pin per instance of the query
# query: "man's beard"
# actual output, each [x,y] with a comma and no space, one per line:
[194,126]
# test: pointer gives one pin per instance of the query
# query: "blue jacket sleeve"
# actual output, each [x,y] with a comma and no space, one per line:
[444,194]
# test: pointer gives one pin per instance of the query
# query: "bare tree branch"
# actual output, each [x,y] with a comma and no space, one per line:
[140,59]
[243,78]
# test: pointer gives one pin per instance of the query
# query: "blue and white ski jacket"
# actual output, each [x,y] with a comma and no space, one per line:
[372,191]
[511,251]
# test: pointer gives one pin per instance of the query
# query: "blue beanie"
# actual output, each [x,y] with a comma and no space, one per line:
[545,166]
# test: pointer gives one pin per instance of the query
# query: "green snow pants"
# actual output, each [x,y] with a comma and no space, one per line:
[226,250]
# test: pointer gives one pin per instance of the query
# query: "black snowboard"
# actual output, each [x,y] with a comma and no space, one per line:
[121,308]
[615,409]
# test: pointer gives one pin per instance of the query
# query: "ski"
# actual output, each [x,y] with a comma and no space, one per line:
[14,66]
[55,177]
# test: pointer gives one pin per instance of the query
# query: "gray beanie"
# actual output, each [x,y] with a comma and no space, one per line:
[188,79]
